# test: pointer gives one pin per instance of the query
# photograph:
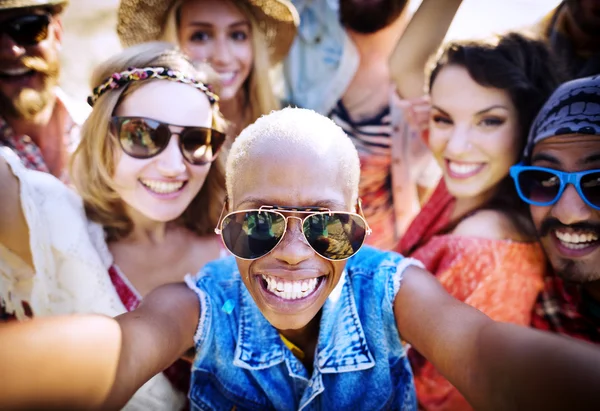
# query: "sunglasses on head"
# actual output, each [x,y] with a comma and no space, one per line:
[27,30]
[542,186]
[252,234]
[144,138]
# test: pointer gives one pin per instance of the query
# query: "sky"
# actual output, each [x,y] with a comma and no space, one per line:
[481,18]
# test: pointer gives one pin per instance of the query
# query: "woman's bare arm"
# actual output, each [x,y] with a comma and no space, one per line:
[58,363]
[154,336]
[421,39]
[14,232]
[497,366]
[91,362]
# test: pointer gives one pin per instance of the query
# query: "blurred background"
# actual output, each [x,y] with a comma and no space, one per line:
[90,35]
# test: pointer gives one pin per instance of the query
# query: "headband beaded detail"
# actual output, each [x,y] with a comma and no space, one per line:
[122,79]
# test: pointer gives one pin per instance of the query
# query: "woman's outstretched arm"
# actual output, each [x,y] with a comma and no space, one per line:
[58,363]
[153,337]
[87,362]
[496,366]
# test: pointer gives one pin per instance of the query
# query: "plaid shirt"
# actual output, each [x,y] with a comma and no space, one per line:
[563,308]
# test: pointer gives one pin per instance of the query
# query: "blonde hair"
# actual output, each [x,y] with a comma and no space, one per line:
[93,163]
[295,130]
[259,96]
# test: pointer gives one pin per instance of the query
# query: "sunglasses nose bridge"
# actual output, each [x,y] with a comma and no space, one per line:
[291,226]
[296,230]
[171,160]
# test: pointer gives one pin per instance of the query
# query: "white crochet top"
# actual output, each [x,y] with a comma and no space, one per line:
[70,274]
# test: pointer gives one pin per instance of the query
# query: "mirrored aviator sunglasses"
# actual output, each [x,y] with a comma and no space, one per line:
[252,234]
[542,186]
[144,138]
[27,30]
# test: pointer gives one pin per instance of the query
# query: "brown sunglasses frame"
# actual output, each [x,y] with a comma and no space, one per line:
[115,124]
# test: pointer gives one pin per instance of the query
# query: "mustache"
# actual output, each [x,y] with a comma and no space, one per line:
[551,223]
[32,63]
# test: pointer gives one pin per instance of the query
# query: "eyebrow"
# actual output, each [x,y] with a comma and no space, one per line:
[209,25]
[594,158]
[545,157]
[480,112]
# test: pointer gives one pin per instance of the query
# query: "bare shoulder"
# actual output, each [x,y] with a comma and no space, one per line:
[490,224]
[170,295]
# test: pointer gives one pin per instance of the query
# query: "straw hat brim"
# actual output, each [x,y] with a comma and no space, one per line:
[24,4]
[140,21]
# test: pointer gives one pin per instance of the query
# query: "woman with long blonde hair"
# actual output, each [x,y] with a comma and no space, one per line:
[150,182]
[242,40]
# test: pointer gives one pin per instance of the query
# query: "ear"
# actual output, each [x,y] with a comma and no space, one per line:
[57,30]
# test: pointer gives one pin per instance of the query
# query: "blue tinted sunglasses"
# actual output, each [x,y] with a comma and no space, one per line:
[542,186]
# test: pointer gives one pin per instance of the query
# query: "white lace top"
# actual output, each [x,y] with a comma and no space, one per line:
[70,274]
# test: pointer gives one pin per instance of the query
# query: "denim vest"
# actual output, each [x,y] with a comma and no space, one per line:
[360,363]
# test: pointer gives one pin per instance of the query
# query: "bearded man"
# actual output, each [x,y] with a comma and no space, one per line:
[36,119]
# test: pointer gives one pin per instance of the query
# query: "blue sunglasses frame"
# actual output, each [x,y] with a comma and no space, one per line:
[564,178]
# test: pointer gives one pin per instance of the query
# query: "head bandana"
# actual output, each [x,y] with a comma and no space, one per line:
[574,108]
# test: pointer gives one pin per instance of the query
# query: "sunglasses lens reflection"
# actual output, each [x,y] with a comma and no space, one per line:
[252,234]
[539,186]
[142,138]
[201,145]
[336,236]
[590,186]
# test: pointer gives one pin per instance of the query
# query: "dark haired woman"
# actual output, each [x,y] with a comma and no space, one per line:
[474,233]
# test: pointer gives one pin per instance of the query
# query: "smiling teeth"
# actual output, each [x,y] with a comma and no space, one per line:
[576,241]
[458,168]
[226,76]
[15,71]
[163,187]
[290,290]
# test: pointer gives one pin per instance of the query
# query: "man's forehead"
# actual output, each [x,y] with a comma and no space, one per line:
[579,151]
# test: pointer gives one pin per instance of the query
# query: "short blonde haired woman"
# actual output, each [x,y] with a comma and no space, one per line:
[150,179]
[241,39]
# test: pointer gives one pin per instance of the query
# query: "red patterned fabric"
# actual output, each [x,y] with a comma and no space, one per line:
[432,219]
[561,308]
[29,153]
[501,278]
[180,372]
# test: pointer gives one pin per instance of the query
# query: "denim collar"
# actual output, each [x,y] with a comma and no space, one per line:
[302,4]
[315,16]
[342,345]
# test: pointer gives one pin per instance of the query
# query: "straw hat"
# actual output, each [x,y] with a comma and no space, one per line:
[22,4]
[143,20]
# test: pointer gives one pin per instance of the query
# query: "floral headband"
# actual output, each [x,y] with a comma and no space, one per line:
[122,79]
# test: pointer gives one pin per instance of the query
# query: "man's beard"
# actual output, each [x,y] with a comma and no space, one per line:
[575,271]
[570,270]
[30,102]
[367,17]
